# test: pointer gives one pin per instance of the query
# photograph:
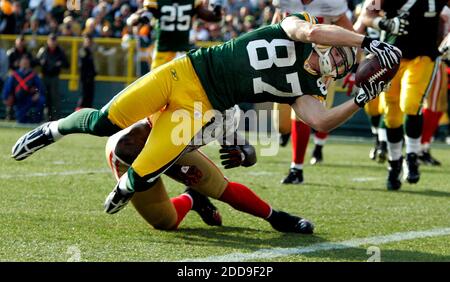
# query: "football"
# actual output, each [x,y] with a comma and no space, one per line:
[371,70]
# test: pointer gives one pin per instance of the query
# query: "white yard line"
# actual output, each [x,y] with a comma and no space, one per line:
[353,243]
[365,179]
[56,173]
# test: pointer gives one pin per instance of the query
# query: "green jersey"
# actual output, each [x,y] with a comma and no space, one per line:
[260,66]
[174,23]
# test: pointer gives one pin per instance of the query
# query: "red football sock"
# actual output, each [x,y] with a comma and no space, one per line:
[300,138]
[430,124]
[243,199]
[321,135]
[183,204]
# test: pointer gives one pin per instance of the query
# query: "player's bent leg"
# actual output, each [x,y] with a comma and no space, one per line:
[142,98]
[244,199]
[122,149]
[213,184]
[156,208]
[168,140]
[203,180]
[89,121]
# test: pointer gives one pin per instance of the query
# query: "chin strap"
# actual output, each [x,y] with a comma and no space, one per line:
[325,66]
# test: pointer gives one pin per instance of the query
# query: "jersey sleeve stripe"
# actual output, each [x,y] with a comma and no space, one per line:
[309,18]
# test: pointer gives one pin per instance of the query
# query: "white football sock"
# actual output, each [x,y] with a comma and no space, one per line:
[124,184]
[394,150]
[425,147]
[319,141]
[382,135]
[53,126]
[412,145]
[297,166]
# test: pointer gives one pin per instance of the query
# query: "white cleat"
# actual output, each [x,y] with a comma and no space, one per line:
[34,140]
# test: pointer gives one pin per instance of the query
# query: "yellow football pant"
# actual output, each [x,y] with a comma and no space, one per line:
[175,88]
[407,90]
[154,204]
[374,107]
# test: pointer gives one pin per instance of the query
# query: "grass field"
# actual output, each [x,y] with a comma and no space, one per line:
[51,209]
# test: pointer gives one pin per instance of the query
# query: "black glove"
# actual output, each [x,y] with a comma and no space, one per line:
[396,26]
[387,54]
[368,92]
[234,156]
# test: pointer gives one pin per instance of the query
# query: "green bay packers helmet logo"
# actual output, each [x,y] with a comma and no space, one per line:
[174,74]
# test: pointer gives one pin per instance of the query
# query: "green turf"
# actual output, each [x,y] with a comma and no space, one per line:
[44,218]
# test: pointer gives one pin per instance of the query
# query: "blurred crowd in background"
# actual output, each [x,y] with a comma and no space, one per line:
[107,18]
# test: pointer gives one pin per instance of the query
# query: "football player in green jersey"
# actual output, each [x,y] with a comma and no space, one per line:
[174,24]
[286,62]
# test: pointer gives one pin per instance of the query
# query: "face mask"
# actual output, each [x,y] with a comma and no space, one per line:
[334,62]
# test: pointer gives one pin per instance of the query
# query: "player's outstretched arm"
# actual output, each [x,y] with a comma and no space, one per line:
[312,112]
[324,34]
[332,35]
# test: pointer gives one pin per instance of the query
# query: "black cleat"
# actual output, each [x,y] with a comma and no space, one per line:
[295,176]
[203,206]
[284,139]
[34,140]
[394,176]
[117,200]
[317,156]
[412,168]
[427,159]
[284,222]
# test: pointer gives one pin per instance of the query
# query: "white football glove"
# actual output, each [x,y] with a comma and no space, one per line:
[387,54]
[368,92]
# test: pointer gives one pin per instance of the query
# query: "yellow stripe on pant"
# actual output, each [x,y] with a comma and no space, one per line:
[175,88]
